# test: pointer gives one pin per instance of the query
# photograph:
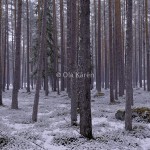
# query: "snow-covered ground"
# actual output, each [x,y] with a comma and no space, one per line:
[54,132]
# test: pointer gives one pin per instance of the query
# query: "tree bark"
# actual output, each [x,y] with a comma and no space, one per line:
[68,45]
[111,54]
[147,46]
[62,44]
[40,59]
[119,54]
[99,49]
[55,79]
[16,83]
[129,51]
[28,49]
[73,64]
[85,68]
[1,103]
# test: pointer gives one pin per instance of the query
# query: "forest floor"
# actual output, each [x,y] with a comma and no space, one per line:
[53,130]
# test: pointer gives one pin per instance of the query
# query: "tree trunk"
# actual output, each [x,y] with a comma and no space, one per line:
[111,54]
[28,49]
[147,46]
[73,64]
[40,59]
[62,44]
[119,54]
[7,47]
[55,79]
[16,83]
[68,45]
[85,68]
[129,51]
[99,49]
[0,53]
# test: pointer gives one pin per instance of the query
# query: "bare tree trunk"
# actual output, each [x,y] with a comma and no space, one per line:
[46,73]
[73,64]
[111,54]
[119,54]
[106,49]
[40,59]
[62,44]
[68,45]
[12,43]
[96,48]
[55,79]
[16,83]
[144,44]
[147,46]
[23,63]
[7,46]
[28,49]
[84,68]
[115,64]
[5,50]
[99,49]
[140,50]
[129,51]
[1,103]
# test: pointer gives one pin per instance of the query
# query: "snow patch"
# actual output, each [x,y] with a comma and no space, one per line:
[145,144]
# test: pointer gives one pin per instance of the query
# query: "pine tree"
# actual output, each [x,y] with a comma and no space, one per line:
[84,68]
[16,83]
[0,53]
[40,62]
[129,52]
[111,54]
[28,48]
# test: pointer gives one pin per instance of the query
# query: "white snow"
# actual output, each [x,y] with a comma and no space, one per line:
[54,132]
[145,144]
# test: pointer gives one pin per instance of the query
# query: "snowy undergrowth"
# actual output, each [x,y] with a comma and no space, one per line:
[54,132]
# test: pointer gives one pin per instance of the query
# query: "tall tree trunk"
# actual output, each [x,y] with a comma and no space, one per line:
[147,46]
[55,79]
[40,59]
[5,50]
[12,43]
[144,44]
[1,53]
[140,43]
[16,83]
[73,64]
[99,49]
[106,49]
[96,46]
[84,68]
[46,72]
[111,54]
[23,61]
[62,44]
[68,45]
[28,49]
[7,46]
[129,51]
[119,54]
